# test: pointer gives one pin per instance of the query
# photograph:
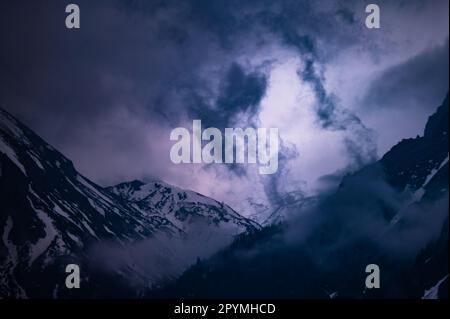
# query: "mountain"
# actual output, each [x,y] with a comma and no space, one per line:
[134,239]
[392,213]
[287,207]
[412,163]
[51,215]
[183,208]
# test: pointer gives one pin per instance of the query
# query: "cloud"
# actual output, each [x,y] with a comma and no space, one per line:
[240,95]
[380,225]
[419,82]
[107,95]
[151,262]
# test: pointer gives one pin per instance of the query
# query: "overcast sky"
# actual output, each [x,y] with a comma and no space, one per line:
[108,94]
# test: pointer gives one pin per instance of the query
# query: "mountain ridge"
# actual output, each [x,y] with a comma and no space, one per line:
[51,215]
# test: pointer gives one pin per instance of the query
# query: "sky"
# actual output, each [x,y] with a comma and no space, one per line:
[108,95]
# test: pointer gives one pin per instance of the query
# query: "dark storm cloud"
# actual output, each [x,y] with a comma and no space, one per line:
[346,15]
[420,82]
[73,86]
[136,54]
[118,58]
[238,101]
[298,24]
[137,69]
[241,93]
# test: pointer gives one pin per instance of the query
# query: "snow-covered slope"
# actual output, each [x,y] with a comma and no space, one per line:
[181,207]
[50,215]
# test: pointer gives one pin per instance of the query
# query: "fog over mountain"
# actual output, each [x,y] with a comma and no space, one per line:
[86,175]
